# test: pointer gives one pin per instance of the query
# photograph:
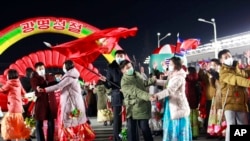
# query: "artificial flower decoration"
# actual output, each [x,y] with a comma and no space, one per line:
[124,134]
[30,122]
[107,112]
[75,113]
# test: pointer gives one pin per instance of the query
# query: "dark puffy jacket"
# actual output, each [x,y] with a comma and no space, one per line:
[114,76]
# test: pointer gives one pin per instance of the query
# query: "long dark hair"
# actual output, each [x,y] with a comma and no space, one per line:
[12,74]
[215,74]
[177,62]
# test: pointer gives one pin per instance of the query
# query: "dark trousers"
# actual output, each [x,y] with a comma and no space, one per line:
[117,122]
[26,112]
[208,107]
[92,110]
[50,130]
[133,132]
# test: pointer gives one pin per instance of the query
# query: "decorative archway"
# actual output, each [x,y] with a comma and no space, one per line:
[38,25]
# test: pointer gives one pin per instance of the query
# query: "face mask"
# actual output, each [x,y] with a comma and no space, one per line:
[130,71]
[119,60]
[41,72]
[164,68]
[212,67]
[64,70]
[170,68]
[229,61]
[57,79]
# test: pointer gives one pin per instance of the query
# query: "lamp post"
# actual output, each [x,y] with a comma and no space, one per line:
[216,47]
[160,39]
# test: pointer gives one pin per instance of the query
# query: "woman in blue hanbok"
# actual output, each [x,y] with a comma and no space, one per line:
[176,123]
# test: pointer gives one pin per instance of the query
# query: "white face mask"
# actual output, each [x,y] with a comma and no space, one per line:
[164,68]
[170,68]
[211,67]
[229,61]
[119,60]
[41,72]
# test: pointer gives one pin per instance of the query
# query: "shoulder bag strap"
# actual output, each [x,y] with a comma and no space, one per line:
[223,106]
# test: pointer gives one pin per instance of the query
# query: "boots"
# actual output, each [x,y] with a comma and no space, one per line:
[111,123]
[29,139]
[105,123]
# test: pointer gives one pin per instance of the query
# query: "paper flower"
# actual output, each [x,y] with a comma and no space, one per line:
[75,113]
[30,122]
[106,112]
[123,135]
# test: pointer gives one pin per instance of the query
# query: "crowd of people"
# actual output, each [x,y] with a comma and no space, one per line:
[177,103]
[67,113]
[208,99]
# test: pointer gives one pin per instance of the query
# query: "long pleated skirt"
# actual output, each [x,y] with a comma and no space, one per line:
[175,129]
[13,127]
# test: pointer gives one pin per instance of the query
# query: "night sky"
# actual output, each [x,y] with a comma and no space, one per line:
[150,16]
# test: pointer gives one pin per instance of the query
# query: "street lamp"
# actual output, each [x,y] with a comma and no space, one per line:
[215,34]
[160,39]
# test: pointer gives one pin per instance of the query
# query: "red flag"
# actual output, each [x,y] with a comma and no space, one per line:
[85,50]
[190,44]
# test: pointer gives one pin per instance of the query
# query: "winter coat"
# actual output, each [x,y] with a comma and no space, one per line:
[45,104]
[136,98]
[114,75]
[90,97]
[193,90]
[175,91]
[233,83]
[70,98]
[25,81]
[101,92]
[15,91]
